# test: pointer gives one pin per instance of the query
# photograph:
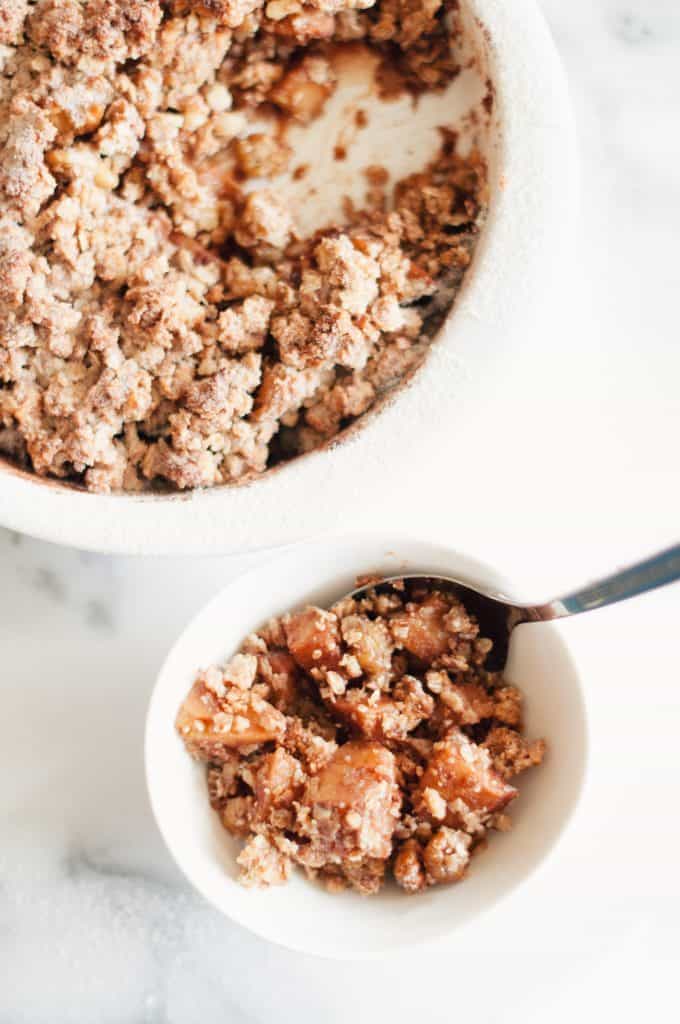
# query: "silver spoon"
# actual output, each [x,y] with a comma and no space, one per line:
[497,616]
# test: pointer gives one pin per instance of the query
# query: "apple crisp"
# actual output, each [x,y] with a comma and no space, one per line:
[361,742]
[162,322]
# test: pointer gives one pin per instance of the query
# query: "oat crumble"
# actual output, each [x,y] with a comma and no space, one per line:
[159,327]
[362,742]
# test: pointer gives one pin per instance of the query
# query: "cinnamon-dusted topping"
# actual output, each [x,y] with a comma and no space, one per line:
[13,14]
[409,871]
[261,156]
[262,864]
[162,322]
[333,745]
[446,855]
[511,753]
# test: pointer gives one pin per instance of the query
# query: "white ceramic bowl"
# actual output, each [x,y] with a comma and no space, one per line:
[531,150]
[301,915]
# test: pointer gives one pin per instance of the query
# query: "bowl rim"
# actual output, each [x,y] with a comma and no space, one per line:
[156,717]
[531,213]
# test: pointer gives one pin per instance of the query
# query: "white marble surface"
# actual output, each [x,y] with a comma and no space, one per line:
[95,923]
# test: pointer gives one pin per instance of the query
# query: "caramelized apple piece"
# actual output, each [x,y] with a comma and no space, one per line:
[469,702]
[307,24]
[381,717]
[465,703]
[461,773]
[370,642]
[210,725]
[79,118]
[303,92]
[353,803]
[376,720]
[277,782]
[313,638]
[421,629]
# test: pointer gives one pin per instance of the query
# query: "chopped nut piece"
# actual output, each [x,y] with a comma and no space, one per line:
[240,671]
[408,867]
[507,706]
[446,855]
[511,753]
[264,219]
[238,815]
[262,864]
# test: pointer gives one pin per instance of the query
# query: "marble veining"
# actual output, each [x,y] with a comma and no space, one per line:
[632,28]
[97,926]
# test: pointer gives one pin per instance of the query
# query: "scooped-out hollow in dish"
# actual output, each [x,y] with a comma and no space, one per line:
[228,229]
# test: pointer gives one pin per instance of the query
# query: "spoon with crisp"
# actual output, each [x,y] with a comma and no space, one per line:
[497,615]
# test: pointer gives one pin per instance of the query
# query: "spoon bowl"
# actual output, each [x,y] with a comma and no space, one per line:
[496,617]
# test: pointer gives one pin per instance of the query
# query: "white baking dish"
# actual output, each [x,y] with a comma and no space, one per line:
[404,445]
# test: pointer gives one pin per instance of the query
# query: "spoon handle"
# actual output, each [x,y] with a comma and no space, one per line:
[636,579]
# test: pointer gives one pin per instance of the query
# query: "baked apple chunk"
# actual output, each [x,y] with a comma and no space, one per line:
[211,725]
[460,773]
[313,637]
[350,809]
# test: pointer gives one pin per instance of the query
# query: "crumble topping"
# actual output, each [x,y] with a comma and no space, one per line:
[361,742]
[162,322]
